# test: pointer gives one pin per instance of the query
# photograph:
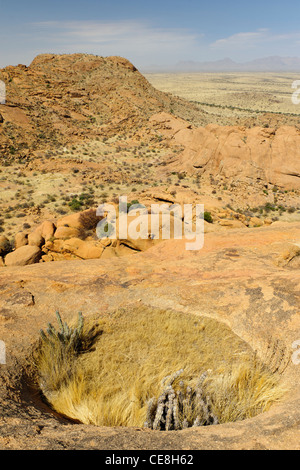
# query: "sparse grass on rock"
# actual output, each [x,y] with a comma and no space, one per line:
[127,377]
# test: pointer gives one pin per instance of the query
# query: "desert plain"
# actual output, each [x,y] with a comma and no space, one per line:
[232,94]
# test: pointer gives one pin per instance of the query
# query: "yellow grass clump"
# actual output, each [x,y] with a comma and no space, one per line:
[120,361]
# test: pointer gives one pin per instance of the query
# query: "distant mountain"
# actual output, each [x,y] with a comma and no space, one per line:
[274,64]
[267,64]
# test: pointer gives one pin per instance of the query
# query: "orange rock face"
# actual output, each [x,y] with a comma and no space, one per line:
[236,153]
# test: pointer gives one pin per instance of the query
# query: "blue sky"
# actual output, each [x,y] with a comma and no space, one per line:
[157,32]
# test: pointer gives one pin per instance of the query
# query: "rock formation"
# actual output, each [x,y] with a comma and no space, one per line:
[61,99]
[236,153]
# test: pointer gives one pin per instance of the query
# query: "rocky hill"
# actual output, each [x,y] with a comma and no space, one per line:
[61,99]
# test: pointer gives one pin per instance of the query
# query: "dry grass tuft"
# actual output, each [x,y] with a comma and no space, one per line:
[112,383]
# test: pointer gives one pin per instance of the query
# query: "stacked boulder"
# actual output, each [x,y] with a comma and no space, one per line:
[71,237]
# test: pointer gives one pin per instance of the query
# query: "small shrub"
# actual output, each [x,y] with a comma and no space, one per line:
[55,356]
[208,217]
[269,207]
[68,338]
[6,247]
[61,211]
[85,200]
[75,205]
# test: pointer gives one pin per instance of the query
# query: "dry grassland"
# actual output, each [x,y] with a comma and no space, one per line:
[223,92]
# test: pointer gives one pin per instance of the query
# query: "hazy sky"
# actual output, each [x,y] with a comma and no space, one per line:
[159,32]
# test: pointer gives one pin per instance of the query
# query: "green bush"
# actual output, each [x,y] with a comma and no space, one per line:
[82,202]
[208,217]
[75,205]
[269,207]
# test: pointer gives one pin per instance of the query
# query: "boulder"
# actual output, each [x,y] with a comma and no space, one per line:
[73,248]
[256,222]
[55,246]
[72,220]
[46,230]
[35,239]
[23,256]
[21,239]
[85,220]
[84,249]
[268,221]
[63,232]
